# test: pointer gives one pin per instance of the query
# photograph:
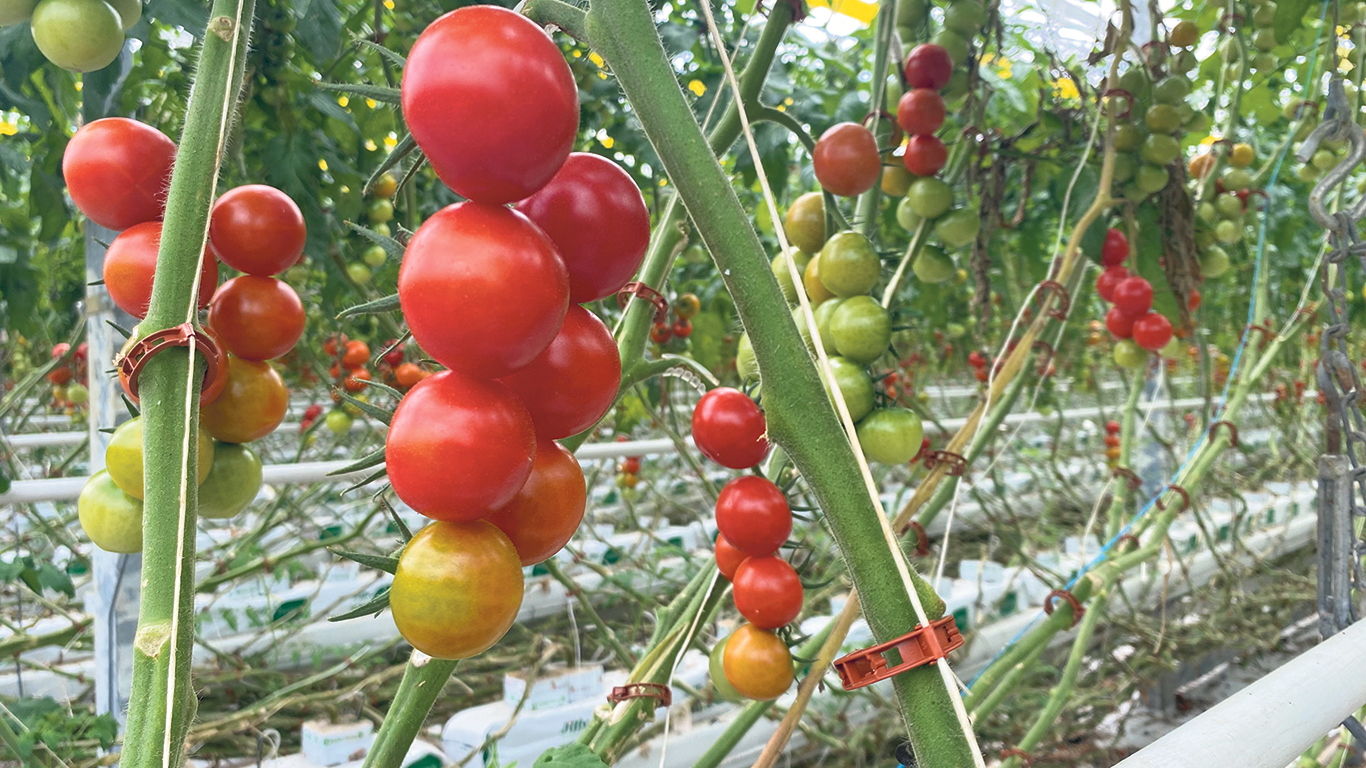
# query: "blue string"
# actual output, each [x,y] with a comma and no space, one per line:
[1223,396]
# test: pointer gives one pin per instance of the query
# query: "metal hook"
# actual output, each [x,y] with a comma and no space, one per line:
[1337,125]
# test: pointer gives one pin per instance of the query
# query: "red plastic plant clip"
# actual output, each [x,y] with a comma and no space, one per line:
[1009,752]
[1077,610]
[957,465]
[917,648]
[1185,498]
[1064,301]
[647,293]
[131,361]
[1266,331]
[1040,344]
[642,691]
[897,133]
[1130,477]
[1232,432]
[922,539]
[1227,29]
[1128,100]
[1128,537]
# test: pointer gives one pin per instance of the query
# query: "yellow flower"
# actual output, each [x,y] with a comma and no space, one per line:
[342,100]
[1064,88]
[370,145]
[8,129]
[322,164]
[371,103]
[389,4]
[577,54]
[697,87]
[1208,141]
[606,141]
[596,59]
[390,142]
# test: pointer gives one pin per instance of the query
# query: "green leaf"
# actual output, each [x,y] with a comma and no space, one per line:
[319,29]
[55,579]
[378,306]
[391,246]
[370,409]
[569,756]
[392,56]
[372,459]
[386,563]
[372,607]
[377,92]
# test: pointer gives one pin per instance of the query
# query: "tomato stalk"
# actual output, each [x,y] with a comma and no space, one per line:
[1128,421]
[162,700]
[865,212]
[798,412]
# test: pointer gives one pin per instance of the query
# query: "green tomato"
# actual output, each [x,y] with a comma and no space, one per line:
[716,669]
[849,264]
[381,229]
[358,272]
[1184,62]
[906,217]
[1128,137]
[1228,232]
[932,265]
[1229,50]
[1265,63]
[1151,178]
[695,254]
[1207,212]
[965,17]
[1228,205]
[1265,15]
[1264,39]
[890,435]
[1197,123]
[233,482]
[1171,90]
[1237,179]
[1136,81]
[1204,237]
[380,211]
[929,197]
[1214,261]
[854,386]
[129,11]
[745,364]
[374,256]
[910,13]
[1185,34]
[957,87]
[1134,193]
[338,421]
[1162,118]
[805,222]
[780,271]
[954,43]
[123,457]
[823,313]
[77,394]
[861,329]
[1307,173]
[1324,160]
[1129,355]
[958,228]
[1160,149]
[15,11]
[799,318]
[1125,167]
[111,518]
[79,35]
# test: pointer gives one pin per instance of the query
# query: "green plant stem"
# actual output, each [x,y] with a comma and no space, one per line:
[624,657]
[798,411]
[1128,436]
[865,211]
[162,700]
[422,682]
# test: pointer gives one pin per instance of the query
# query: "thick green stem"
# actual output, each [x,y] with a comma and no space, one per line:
[422,682]
[163,702]
[1115,519]
[797,409]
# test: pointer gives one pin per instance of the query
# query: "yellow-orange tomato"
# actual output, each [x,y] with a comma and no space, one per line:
[457,589]
[1200,165]
[815,289]
[252,404]
[757,663]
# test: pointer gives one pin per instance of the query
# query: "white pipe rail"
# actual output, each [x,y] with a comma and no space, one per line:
[1271,722]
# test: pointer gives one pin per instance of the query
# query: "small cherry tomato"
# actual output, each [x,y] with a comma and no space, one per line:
[131,261]
[258,230]
[333,344]
[408,374]
[928,66]
[728,558]
[111,518]
[257,318]
[687,305]
[660,333]
[767,592]
[546,512]
[252,405]
[123,457]
[682,328]
[574,381]
[846,160]
[729,428]
[233,481]
[1116,248]
[338,422]
[753,514]
[757,663]
[1152,331]
[357,353]
[1119,323]
[920,112]
[925,155]
[355,380]
[1134,296]
[117,171]
[1109,278]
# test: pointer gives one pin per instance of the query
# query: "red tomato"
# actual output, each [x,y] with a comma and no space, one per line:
[1193,303]
[846,160]
[920,111]
[1119,324]
[330,347]
[60,375]
[1134,296]
[459,447]
[660,333]
[1116,248]
[752,513]
[682,328]
[596,217]
[767,591]
[394,357]
[357,353]
[491,102]
[355,380]
[1112,427]
[928,66]
[313,411]
[729,428]
[1152,331]
[117,171]
[258,230]
[257,318]
[1109,278]
[546,512]
[512,287]
[574,382]
[82,351]
[976,359]
[408,374]
[132,260]
[252,404]
[925,155]
[728,558]
[59,349]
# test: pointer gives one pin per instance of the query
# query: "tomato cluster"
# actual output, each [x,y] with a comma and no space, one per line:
[67,376]
[684,309]
[79,35]
[1151,114]
[1112,443]
[492,293]
[1131,319]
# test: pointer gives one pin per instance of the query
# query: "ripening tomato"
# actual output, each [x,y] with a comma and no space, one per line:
[490,100]
[131,261]
[729,428]
[1193,303]
[1152,331]
[233,481]
[767,591]
[408,374]
[394,357]
[920,111]
[757,663]
[355,380]
[357,353]
[716,670]
[258,230]
[728,558]
[805,222]
[595,215]
[1116,248]
[457,589]
[752,513]
[925,155]
[459,447]
[512,286]
[846,160]
[78,35]
[330,345]
[111,518]
[1134,296]
[546,512]
[574,382]
[1109,278]
[928,66]
[123,457]
[252,405]
[117,171]
[1119,323]
[257,318]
